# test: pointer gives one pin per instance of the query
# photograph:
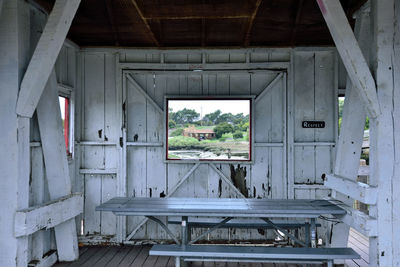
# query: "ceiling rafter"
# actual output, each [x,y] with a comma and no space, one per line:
[300,5]
[111,21]
[251,22]
[203,32]
[151,33]
[199,17]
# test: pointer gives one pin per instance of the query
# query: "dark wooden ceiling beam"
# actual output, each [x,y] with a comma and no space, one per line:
[250,24]
[297,19]
[149,30]
[203,32]
[198,17]
[111,21]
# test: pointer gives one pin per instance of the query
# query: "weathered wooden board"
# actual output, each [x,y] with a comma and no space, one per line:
[57,169]
[147,173]
[45,55]
[47,215]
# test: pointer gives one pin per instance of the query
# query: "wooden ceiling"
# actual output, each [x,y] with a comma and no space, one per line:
[201,23]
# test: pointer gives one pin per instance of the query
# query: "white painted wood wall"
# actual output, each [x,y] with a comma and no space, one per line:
[289,161]
[43,241]
[23,176]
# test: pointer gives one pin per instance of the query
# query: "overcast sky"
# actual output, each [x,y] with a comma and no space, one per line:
[204,107]
[62,107]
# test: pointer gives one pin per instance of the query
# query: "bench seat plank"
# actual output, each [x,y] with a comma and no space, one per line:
[237,223]
[248,252]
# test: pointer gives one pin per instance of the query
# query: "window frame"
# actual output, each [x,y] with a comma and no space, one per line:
[251,98]
[68,92]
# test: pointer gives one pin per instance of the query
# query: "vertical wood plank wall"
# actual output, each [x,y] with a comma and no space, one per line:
[293,168]
[43,241]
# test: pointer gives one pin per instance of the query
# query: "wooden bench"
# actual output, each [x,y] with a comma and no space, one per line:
[237,223]
[253,254]
[244,224]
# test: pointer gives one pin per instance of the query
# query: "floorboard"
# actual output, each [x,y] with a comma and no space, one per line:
[360,244]
[135,256]
[119,257]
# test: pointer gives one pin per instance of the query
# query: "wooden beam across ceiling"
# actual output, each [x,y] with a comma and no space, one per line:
[300,6]
[111,21]
[251,22]
[199,17]
[150,31]
[1,5]
[203,32]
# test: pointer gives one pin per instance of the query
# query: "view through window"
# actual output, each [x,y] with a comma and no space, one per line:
[64,108]
[209,129]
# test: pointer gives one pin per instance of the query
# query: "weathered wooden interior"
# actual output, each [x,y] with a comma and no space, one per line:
[116,61]
[138,256]
[138,23]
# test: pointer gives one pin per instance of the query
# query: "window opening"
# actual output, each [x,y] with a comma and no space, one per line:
[65,116]
[208,129]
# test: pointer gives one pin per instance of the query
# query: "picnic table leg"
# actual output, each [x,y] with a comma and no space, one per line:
[313,234]
[177,261]
[307,234]
[189,233]
[184,237]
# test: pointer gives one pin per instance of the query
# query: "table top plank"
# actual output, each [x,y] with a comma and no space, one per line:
[217,207]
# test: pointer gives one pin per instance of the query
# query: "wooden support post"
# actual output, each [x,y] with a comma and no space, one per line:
[14,141]
[383,161]
[38,197]
[396,121]
[350,52]
[45,55]
[57,172]
[351,133]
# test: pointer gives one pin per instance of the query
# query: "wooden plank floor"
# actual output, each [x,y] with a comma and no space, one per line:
[360,244]
[135,256]
[138,256]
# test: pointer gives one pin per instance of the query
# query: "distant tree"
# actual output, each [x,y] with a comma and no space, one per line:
[238,118]
[237,135]
[222,128]
[211,118]
[226,117]
[171,124]
[171,116]
[185,116]
[341,104]
[245,126]
[177,132]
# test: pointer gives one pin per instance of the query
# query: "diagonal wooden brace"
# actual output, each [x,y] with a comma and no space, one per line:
[57,170]
[45,56]
[351,55]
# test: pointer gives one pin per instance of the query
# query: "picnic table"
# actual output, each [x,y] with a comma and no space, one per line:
[227,210]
